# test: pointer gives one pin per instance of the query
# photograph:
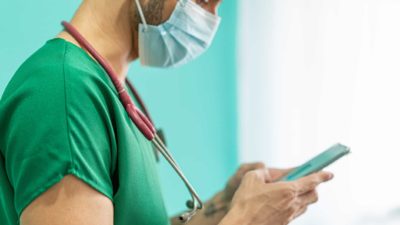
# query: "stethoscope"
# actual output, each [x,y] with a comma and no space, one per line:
[141,120]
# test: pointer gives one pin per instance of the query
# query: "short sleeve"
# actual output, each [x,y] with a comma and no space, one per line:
[57,124]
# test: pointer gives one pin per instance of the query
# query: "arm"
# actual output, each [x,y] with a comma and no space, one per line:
[69,202]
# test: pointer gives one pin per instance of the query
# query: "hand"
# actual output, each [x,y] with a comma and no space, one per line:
[271,175]
[259,203]
[216,208]
[220,203]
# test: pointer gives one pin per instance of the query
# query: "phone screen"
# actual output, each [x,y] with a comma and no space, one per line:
[318,163]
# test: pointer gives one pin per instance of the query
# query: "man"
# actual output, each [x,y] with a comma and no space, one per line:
[70,153]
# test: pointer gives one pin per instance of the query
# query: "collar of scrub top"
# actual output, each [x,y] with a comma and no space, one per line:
[142,122]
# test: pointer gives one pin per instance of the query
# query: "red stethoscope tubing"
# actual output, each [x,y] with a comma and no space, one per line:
[140,119]
[139,100]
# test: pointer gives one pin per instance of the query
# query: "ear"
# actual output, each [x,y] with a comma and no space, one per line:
[209,5]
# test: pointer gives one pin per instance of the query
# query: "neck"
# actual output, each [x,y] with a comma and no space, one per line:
[107,27]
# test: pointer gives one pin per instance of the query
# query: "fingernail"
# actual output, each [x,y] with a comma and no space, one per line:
[331,176]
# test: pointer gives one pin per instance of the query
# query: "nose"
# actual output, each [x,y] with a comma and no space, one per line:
[210,5]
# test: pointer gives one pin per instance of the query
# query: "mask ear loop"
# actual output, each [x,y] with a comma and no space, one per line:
[141,14]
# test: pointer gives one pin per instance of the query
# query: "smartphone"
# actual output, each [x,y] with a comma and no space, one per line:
[318,163]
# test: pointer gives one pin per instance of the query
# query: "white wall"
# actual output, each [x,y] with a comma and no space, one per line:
[316,72]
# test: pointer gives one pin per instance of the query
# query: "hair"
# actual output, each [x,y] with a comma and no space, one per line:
[152,10]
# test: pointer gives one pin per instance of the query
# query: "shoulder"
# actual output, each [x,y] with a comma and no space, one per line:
[57,82]
[56,69]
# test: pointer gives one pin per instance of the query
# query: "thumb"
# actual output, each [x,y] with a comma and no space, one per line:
[260,174]
[267,176]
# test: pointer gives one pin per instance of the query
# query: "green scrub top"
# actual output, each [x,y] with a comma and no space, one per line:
[60,114]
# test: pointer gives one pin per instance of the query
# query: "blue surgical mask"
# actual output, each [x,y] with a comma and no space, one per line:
[184,36]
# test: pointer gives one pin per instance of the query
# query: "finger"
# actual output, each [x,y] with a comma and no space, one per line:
[259,174]
[300,212]
[309,197]
[276,174]
[252,166]
[310,182]
[267,176]
[235,180]
[243,169]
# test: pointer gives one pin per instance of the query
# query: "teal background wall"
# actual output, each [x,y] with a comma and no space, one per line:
[194,104]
